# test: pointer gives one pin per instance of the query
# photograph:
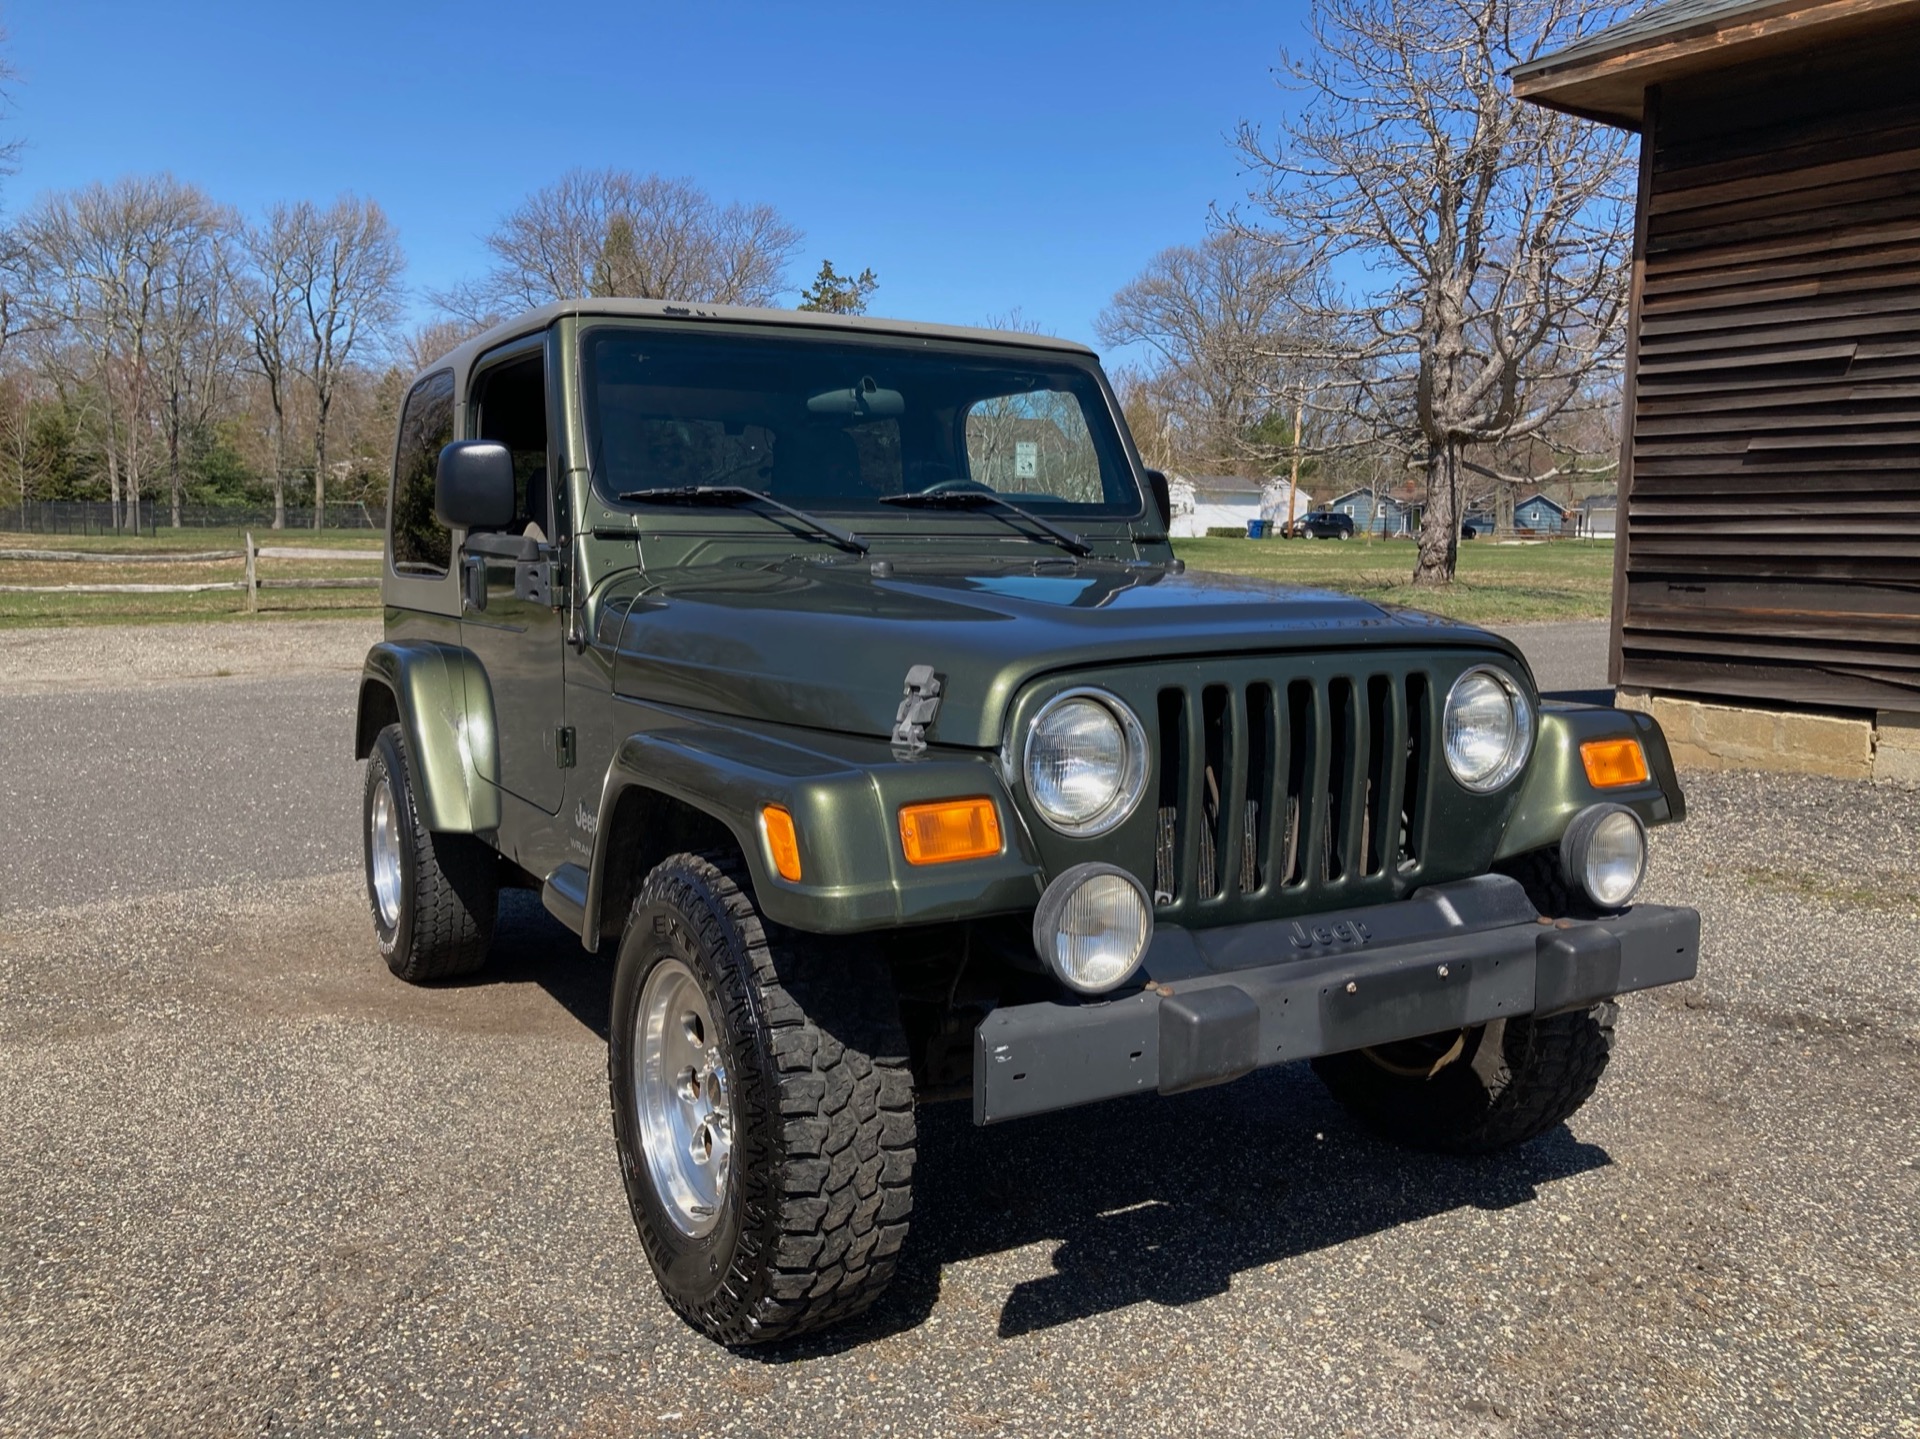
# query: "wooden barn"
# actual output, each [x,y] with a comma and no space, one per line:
[1767,591]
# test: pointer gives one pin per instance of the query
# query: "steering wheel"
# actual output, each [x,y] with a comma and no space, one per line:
[959,487]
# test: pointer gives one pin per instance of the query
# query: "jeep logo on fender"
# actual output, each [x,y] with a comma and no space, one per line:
[1322,936]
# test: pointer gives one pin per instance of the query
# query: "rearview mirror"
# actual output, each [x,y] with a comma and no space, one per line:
[865,399]
[473,485]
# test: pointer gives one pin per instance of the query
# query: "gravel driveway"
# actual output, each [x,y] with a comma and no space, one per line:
[250,1185]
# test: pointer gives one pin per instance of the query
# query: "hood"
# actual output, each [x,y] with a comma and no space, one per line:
[827,643]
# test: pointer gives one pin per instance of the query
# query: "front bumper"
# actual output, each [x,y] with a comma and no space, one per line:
[1220,1003]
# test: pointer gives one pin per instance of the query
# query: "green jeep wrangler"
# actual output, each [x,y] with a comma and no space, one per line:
[837,676]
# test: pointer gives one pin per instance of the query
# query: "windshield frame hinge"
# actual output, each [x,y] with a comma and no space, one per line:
[919,707]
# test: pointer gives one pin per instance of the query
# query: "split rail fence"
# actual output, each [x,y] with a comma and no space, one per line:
[250,583]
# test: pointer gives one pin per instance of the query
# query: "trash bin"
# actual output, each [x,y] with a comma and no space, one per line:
[1256,529]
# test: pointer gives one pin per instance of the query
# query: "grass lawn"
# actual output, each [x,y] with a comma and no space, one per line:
[1496,583]
[192,540]
[357,548]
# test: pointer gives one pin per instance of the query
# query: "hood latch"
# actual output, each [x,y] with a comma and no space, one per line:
[918,708]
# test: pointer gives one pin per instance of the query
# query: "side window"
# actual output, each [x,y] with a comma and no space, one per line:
[1034,445]
[421,544]
[510,405]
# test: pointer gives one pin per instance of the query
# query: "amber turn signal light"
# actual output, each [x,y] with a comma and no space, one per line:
[782,840]
[1613,762]
[949,829]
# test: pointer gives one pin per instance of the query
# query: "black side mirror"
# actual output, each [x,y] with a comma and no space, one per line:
[473,485]
[1162,498]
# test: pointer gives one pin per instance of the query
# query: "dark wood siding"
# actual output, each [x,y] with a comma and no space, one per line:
[1772,544]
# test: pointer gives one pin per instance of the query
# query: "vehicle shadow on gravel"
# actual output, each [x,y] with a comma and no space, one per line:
[1166,1200]
[1160,1200]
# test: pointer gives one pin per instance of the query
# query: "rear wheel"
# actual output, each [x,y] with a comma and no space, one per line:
[1473,1091]
[433,896]
[762,1108]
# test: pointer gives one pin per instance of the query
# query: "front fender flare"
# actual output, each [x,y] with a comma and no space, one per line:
[445,708]
[854,875]
[1556,789]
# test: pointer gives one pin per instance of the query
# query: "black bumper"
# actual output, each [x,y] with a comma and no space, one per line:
[1221,1003]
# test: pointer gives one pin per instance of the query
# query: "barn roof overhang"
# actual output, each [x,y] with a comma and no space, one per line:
[1606,76]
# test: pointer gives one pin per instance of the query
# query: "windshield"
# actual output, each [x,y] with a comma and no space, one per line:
[838,426]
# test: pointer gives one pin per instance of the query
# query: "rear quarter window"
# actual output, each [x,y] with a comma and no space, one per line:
[422,546]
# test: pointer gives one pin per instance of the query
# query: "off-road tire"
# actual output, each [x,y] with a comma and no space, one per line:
[1512,1081]
[449,883]
[815,1211]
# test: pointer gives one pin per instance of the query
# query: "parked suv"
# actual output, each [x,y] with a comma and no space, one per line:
[1325,525]
[835,676]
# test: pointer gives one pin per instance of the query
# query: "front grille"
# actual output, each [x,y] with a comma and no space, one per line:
[1307,793]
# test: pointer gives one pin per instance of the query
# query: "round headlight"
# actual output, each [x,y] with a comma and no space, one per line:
[1604,853]
[1488,729]
[1092,927]
[1086,762]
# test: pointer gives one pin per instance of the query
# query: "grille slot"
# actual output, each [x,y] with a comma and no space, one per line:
[1302,790]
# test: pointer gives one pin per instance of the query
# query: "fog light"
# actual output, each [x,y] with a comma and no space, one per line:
[1092,927]
[1604,854]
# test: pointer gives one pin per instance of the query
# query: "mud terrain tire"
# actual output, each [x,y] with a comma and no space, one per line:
[812,1061]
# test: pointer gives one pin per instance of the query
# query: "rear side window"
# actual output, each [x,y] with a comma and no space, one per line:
[421,544]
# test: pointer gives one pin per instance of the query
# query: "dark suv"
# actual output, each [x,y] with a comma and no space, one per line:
[1324,525]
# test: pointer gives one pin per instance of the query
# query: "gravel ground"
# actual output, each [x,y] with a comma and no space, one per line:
[249,1184]
[64,659]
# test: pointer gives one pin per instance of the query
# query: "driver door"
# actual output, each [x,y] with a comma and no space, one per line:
[518,635]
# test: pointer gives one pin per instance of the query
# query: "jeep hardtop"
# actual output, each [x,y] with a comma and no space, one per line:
[836,676]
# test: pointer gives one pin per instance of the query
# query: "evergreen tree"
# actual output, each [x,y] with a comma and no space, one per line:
[832,293]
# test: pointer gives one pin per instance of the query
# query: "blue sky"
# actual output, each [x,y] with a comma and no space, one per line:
[980,158]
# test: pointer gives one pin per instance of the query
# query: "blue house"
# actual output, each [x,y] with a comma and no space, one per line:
[1539,514]
[1385,514]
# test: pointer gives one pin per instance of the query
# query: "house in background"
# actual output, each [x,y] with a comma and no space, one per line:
[1767,567]
[1227,502]
[1385,514]
[1539,515]
[1594,517]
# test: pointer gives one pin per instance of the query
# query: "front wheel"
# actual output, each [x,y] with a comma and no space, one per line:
[1474,1091]
[762,1109]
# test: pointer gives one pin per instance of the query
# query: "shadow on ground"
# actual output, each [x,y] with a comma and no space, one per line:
[1150,1199]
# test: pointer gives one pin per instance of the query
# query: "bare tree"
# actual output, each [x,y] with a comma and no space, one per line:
[611,232]
[347,268]
[273,304]
[1220,316]
[1491,237]
[102,262]
[426,343]
[197,337]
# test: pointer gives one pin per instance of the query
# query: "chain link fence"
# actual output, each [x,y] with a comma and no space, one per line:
[99,517]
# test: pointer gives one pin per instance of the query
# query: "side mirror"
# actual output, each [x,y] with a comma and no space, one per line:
[473,485]
[1162,498]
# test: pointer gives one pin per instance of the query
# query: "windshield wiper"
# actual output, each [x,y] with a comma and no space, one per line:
[986,499]
[725,495]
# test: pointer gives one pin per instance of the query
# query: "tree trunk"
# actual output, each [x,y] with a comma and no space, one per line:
[279,469]
[173,473]
[320,468]
[1440,524]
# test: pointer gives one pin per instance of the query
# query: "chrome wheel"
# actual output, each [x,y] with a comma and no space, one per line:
[383,853]
[680,1095]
